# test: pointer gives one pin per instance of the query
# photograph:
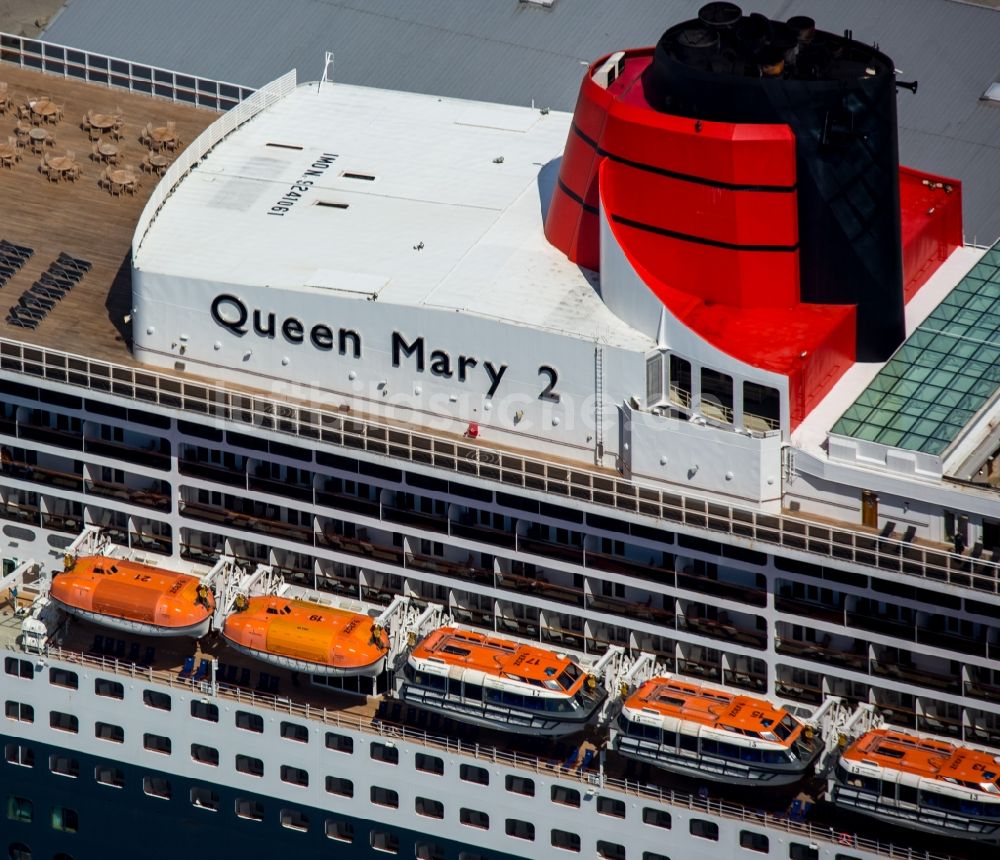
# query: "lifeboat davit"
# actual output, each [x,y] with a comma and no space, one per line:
[924,783]
[493,682]
[132,597]
[695,730]
[307,637]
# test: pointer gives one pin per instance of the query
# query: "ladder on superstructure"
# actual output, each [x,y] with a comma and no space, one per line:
[598,405]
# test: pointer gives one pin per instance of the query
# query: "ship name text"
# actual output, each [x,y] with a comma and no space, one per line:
[302,185]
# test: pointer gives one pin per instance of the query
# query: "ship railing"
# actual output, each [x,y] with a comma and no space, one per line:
[592,779]
[839,542]
[64,61]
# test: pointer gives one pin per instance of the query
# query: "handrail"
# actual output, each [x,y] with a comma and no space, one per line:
[55,59]
[456,746]
[839,542]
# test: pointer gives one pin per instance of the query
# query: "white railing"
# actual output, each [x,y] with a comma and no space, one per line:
[550,768]
[839,542]
[62,60]
[195,151]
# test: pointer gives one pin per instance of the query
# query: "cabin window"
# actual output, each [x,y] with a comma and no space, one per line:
[565,840]
[519,829]
[109,732]
[18,668]
[19,754]
[19,712]
[704,829]
[64,766]
[64,678]
[204,798]
[205,755]
[716,395]
[680,380]
[521,785]
[384,753]
[754,841]
[20,809]
[249,765]
[428,851]
[384,840]
[111,776]
[761,407]
[430,764]
[156,786]
[470,855]
[64,819]
[473,692]
[342,831]
[429,808]
[798,851]
[63,722]
[294,775]
[652,855]
[294,819]
[109,689]
[156,743]
[156,699]
[384,797]
[471,773]
[610,850]
[340,785]
[340,743]
[205,711]
[474,818]
[656,817]
[295,732]
[610,806]
[566,796]
[249,722]
[251,810]
[908,794]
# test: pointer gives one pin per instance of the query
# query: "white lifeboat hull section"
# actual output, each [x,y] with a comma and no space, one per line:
[136,628]
[308,668]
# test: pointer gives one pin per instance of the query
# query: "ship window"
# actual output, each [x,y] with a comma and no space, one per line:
[19,754]
[112,776]
[251,810]
[704,829]
[470,855]
[18,668]
[340,785]
[342,831]
[716,395]
[156,743]
[471,773]
[652,855]
[205,711]
[204,798]
[428,851]
[565,840]
[249,722]
[908,794]
[384,796]
[689,742]
[109,732]
[680,380]
[109,689]
[429,808]
[385,840]
[430,763]
[656,817]
[156,699]
[754,841]
[761,407]
[845,857]
[249,765]
[64,678]
[340,743]
[64,766]
[610,850]
[20,712]
[63,722]
[473,692]
[519,829]
[295,732]
[474,818]
[19,851]
[729,750]
[294,775]
[205,755]
[65,819]
[384,753]
[798,851]
[521,785]
[156,786]
[566,796]
[611,806]
[20,809]
[294,819]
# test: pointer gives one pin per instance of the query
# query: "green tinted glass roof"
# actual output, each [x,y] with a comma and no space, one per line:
[942,375]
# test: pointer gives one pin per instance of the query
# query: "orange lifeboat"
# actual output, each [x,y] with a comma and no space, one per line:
[307,637]
[494,682]
[135,598]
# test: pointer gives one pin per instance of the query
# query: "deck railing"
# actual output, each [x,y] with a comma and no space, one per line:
[591,778]
[837,542]
[67,62]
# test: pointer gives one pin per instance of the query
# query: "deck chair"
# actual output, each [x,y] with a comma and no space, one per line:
[187,668]
[203,668]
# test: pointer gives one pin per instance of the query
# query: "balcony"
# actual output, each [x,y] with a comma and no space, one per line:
[42,475]
[718,588]
[724,629]
[407,516]
[821,652]
[628,567]
[639,610]
[979,689]
[541,587]
[51,436]
[797,607]
[153,455]
[901,668]
[300,492]
[880,624]
[27,514]
[147,498]
[243,521]
[71,523]
[952,641]
[800,691]
[550,549]
[467,572]
[212,472]
[151,542]
[754,682]
[330,538]
[347,502]
[472,531]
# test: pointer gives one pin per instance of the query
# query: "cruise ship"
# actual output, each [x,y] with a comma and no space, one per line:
[389,474]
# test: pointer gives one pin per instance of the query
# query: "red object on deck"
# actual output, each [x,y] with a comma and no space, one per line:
[472,431]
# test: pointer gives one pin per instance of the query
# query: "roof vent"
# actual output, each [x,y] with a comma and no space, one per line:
[992,93]
[366,176]
[283,145]
[331,204]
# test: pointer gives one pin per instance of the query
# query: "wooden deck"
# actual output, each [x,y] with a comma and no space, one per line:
[80,218]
